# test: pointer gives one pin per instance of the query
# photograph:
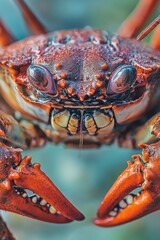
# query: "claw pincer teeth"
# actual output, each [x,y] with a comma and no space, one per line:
[35,199]
[127,200]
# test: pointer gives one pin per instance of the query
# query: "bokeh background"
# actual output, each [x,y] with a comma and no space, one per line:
[84,176]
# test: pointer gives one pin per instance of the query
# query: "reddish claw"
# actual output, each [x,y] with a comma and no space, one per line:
[18,174]
[120,205]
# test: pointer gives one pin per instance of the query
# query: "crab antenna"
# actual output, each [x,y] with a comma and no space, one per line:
[5,36]
[137,19]
[32,21]
[149,28]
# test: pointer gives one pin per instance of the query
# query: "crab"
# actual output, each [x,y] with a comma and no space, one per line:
[85,88]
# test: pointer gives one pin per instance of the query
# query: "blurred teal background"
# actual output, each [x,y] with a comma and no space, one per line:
[84,176]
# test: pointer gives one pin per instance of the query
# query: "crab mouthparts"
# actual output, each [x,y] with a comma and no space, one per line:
[47,204]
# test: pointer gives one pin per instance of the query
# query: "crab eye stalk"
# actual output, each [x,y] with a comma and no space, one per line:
[41,78]
[121,79]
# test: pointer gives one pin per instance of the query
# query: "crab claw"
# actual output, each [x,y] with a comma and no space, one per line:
[120,205]
[19,175]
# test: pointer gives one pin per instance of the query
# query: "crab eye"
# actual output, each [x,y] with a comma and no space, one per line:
[121,79]
[41,79]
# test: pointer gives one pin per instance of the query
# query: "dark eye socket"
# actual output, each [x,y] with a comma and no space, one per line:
[41,79]
[121,79]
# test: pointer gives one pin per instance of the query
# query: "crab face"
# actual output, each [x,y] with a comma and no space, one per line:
[83,83]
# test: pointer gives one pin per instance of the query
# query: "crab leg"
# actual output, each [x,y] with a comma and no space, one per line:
[4,232]
[32,21]
[5,36]
[34,24]
[142,134]
[155,43]
[24,135]
[137,19]
[18,175]
[120,205]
